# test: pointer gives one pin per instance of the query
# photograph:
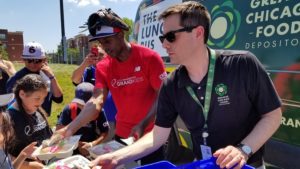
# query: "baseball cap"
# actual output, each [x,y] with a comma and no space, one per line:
[33,50]
[105,23]
[104,31]
[5,99]
[83,93]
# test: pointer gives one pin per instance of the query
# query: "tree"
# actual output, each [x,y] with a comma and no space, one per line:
[129,22]
[73,54]
[3,53]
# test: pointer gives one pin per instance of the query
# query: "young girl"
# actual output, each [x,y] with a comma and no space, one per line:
[6,135]
[29,119]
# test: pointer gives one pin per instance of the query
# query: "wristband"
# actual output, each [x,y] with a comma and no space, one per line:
[52,77]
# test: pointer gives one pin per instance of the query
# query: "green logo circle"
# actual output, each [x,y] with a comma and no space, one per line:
[226,22]
[221,89]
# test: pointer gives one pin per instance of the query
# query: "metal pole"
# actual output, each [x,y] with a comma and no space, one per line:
[63,40]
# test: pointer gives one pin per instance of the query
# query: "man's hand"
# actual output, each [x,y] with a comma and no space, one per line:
[61,133]
[230,156]
[106,161]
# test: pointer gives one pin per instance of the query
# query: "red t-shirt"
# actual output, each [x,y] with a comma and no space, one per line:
[133,85]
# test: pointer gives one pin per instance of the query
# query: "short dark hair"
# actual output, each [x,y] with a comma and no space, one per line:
[191,14]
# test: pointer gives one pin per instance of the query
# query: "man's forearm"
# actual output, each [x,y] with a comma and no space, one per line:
[89,112]
[264,129]
[144,146]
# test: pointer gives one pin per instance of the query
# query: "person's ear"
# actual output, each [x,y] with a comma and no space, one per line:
[121,34]
[200,32]
[22,94]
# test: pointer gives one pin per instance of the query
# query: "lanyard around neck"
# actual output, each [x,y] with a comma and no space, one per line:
[209,84]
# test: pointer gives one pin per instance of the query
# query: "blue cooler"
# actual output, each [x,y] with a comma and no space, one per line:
[158,165]
[206,164]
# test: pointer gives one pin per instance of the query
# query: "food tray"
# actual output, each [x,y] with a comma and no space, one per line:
[77,161]
[105,148]
[62,149]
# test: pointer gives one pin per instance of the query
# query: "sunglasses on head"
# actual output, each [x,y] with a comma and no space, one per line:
[170,36]
[36,61]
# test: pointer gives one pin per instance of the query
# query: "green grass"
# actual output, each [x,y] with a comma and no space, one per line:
[63,73]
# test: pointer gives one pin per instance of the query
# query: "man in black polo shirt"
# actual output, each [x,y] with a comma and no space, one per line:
[225,98]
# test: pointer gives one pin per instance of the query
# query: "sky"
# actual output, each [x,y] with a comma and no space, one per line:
[39,20]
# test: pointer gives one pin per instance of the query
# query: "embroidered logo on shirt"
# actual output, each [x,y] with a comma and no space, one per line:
[137,69]
[163,76]
[222,90]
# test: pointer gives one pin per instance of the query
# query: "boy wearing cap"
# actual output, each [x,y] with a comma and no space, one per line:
[35,62]
[132,73]
[92,133]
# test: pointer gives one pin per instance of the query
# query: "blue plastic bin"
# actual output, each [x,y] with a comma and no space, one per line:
[206,164]
[158,165]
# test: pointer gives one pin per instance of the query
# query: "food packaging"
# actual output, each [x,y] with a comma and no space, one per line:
[62,149]
[105,148]
[73,162]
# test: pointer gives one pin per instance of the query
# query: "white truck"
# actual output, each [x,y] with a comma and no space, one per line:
[268,28]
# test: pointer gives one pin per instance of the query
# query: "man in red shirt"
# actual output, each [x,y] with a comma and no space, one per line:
[132,73]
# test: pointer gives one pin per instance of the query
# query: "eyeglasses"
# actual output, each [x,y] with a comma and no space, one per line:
[35,61]
[170,36]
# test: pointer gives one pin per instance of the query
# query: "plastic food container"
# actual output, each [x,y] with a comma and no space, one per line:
[63,149]
[105,148]
[77,161]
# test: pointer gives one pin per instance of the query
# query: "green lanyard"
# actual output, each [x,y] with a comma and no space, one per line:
[209,84]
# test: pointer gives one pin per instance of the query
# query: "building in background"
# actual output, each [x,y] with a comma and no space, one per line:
[81,43]
[13,43]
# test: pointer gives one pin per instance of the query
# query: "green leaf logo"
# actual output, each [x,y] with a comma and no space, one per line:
[226,22]
[221,89]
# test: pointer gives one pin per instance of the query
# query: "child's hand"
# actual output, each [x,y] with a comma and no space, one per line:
[83,148]
[28,150]
[47,70]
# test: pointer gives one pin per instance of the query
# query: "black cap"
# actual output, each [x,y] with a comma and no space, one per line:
[105,17]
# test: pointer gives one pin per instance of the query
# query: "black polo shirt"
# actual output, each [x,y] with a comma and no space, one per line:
[242,92]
